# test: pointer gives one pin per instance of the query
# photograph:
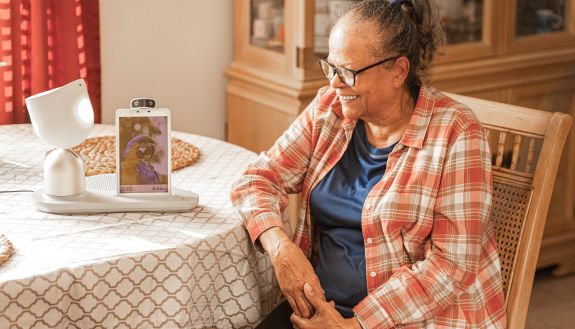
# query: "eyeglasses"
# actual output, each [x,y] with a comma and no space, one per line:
[346,75]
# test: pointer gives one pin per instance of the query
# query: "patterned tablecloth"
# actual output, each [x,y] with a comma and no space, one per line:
[130,270]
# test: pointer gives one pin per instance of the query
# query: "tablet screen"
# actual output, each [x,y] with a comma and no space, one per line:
[143,154]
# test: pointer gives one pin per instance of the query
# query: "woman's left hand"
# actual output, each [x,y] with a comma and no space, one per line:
[326,316]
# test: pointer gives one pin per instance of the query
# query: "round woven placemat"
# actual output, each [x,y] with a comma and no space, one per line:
[99,154]
[6,249]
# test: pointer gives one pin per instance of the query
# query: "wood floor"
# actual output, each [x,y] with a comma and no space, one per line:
[552,304]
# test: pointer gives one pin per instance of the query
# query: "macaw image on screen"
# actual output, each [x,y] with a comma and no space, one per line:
[143,154]
[136,166]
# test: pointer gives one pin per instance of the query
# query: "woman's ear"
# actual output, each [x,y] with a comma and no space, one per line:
[400,70]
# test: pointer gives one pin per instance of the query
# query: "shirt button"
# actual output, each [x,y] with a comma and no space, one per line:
[369,240]
[368,206]
[373,274]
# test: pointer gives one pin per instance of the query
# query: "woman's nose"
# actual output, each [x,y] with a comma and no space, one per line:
[336,82]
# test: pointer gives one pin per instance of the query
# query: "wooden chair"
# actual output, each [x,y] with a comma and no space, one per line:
[526,147]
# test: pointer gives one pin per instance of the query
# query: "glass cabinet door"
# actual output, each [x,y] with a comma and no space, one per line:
[462,20]
[541,24]
[539,16]
[470,25]
[471,28]
[326,13]
[267,29]
[264,37]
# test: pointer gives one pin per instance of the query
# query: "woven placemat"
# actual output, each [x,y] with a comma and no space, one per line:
[6,249]
[99,154]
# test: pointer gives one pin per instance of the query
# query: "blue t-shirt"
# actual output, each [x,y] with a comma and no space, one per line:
[336,204]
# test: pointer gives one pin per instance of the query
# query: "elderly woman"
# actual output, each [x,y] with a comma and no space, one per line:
[394,228]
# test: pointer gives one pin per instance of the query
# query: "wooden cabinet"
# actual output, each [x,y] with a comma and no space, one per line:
[516,51]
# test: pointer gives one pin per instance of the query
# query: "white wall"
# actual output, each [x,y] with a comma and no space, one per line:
[174,51]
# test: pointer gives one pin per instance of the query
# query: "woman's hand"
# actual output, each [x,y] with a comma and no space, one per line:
[292,270]
[326,316]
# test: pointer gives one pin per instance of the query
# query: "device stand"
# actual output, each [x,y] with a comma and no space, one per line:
[100,197]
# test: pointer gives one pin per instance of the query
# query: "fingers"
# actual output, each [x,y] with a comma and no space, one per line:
[293,305]
[292,269]
[311,296]
[316,286]
[299,304]
[303,307]
[297,321]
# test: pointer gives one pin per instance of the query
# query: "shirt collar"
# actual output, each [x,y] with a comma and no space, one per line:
[420,118]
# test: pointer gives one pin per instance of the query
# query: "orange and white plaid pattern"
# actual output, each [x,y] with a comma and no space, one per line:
[431,256]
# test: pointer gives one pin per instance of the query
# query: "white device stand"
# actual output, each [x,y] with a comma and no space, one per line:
[100,197]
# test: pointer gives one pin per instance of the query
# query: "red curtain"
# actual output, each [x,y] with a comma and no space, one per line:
[46,44]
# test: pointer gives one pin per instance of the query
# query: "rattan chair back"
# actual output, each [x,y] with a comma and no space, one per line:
[526,147]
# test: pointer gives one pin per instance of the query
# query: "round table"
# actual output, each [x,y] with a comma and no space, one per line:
[130,270]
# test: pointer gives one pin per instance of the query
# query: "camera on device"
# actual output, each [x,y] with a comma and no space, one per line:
[137,103]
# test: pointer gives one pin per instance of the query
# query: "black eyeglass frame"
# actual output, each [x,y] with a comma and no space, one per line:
[339,69]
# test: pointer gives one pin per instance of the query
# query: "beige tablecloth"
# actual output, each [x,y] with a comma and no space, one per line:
[130,270]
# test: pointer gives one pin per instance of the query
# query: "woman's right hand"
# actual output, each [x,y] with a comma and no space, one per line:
[292,270]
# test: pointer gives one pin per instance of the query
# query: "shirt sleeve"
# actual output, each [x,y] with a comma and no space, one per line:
[424,289]
[259,197]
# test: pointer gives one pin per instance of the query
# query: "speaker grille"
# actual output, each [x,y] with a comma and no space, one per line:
[104,182]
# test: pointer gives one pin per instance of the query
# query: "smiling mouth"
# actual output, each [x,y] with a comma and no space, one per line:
[347,98]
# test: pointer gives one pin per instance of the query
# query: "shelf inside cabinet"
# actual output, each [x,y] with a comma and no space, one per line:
[267,29]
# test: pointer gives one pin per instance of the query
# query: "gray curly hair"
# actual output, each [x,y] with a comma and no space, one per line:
[410,28]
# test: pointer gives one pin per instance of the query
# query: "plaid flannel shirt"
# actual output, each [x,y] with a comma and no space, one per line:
[430,248]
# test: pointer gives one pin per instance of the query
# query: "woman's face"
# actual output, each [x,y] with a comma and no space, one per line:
[352,45]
